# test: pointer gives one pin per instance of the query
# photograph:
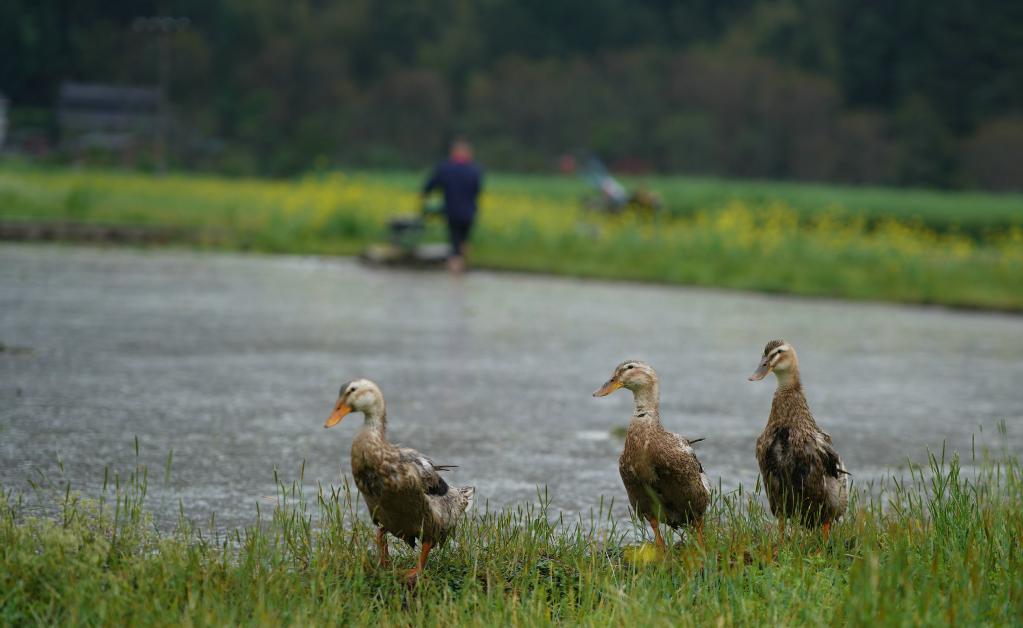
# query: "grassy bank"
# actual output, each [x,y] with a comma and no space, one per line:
[895,245]
[973,213]
[940,546]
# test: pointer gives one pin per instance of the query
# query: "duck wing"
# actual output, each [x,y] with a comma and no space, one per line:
[682,485]
[446,502]
[803,474]
[832,464]
[426,470]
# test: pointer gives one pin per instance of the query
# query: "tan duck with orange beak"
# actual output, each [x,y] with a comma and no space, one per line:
[403,489]
[662,476]
[803,475]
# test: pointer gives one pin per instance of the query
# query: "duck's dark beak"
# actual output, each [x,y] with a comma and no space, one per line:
[340,410]
[762,370]
[609,387]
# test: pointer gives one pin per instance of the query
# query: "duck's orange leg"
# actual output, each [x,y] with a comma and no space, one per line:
[826,529]
[699,531]
[657,533]
[385,556]
[413,574]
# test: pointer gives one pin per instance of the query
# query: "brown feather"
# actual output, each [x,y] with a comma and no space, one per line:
[661,476]
[803,475]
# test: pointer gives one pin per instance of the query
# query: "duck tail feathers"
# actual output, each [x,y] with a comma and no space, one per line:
[468,494]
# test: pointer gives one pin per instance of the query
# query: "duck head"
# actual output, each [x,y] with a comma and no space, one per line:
[631,374]
[779,357]
[360,395]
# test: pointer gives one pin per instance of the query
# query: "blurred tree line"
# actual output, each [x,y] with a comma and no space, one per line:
[907,92]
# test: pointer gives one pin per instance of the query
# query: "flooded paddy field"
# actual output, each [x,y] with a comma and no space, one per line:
[233,362]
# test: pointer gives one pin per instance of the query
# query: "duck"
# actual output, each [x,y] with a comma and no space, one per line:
[663,477]
[403,489]
[804,476]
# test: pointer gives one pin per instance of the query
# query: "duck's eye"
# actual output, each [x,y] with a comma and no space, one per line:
[629,366]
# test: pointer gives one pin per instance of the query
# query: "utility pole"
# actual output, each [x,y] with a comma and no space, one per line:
[162,27]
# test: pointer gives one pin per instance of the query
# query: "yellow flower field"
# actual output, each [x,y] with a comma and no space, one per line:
[769,245]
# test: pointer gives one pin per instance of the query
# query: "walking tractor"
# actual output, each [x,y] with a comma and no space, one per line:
[407,244]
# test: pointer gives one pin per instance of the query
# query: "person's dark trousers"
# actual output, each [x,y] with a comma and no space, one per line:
[458,230]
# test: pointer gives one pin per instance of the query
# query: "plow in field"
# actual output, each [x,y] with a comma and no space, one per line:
[407,244]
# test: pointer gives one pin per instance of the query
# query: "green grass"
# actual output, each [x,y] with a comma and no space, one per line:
[969,212]
[916,246]
[940,546]
[976,213]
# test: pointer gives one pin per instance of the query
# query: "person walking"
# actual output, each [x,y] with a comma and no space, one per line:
[461,180]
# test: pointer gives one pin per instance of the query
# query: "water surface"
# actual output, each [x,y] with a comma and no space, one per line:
[235,361]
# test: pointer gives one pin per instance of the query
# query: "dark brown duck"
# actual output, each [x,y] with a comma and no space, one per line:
[803,475]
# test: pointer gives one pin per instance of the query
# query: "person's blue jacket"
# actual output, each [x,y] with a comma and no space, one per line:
[461,182]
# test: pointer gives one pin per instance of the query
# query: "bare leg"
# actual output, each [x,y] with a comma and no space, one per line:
[456,264]
[699,531]
[385,557]
[826,529]
[657,533]
[413,574]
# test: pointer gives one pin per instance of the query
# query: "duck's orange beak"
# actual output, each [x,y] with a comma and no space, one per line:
[340,410]
[609,387]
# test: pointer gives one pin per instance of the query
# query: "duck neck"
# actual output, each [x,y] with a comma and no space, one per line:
[647,401]
[376,419]
[788,380]
[789,404]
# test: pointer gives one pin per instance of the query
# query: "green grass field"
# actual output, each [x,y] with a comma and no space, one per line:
[974,213]
[916,246]
[939,546]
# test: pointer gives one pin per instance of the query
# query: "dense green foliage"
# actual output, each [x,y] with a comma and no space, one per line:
[963,249]
[909,92]
[940,546]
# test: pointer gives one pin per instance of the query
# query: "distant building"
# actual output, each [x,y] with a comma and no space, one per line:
[110,118]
